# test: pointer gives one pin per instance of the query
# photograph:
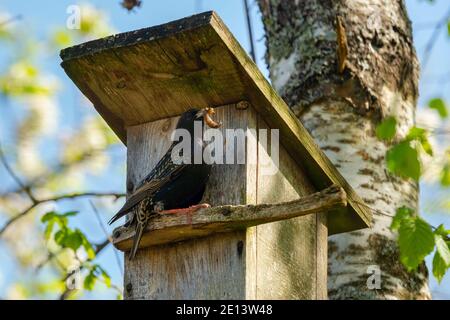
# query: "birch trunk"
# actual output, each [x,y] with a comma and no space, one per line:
[342,109]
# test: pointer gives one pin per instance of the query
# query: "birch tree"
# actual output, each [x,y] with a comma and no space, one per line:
[345,67]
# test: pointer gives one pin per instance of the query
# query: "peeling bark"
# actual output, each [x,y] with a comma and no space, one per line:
[340,87]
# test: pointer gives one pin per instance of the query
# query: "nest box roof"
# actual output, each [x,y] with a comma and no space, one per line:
[162,71]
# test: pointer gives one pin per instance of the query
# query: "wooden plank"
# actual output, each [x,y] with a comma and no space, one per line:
[321,256]
[171,228]
[207,268]
[295,138]
[291,243]
[158,72]
[141,81]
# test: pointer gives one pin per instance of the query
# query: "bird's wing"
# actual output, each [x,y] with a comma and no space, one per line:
[147,190]
[164,172]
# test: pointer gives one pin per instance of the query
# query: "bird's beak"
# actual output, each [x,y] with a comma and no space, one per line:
[207,113]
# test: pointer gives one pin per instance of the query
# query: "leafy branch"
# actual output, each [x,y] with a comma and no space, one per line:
[416,237]
[65,237]
[57,229]
[37,202]
[444,21]
[25,81]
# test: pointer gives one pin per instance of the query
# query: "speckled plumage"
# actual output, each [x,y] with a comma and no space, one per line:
[167,186]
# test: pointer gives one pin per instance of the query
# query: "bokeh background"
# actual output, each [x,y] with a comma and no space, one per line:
[55,144]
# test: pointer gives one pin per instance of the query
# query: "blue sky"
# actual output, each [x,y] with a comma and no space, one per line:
[45,15]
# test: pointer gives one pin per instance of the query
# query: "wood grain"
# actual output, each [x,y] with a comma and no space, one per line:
[287,258]
[207,268]
[169,228]
[159,72]
[277,260]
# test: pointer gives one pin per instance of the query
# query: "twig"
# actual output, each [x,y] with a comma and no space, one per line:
[432,41]
[390,215]
[57,198]
[250,30]
[49,258]
[424,25]
[99,248]
[100,222]
[56,170]
[14,176]
[434,130]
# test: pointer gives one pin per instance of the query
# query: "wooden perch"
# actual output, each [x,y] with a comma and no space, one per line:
[177,227]
[196,61]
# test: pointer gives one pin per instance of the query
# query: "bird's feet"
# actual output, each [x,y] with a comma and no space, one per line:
[187,211]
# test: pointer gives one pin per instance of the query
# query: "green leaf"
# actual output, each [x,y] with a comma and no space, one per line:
[106,278]
[48,216]
[386,129]
[99,271]
[420,135]
[89,249]
[439,267]
[415,133]
[61,219]
[426,146]
[401,214]
[440,230]
[403,160]
[73,240]
[70,214]
[89,281]
[439,105]
[49,229]
[445,176]
[416,241]
[448,27]
[442,248]
[60,237]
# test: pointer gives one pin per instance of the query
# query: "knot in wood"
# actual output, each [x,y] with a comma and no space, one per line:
[242,105]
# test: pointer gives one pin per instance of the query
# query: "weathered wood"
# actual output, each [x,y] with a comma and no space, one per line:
[286,251]
[170,228]
[206,268]
[271,261]
[155,73]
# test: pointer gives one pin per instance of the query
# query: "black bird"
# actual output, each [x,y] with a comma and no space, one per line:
[170,186]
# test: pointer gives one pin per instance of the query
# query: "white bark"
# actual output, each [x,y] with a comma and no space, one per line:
[341,111]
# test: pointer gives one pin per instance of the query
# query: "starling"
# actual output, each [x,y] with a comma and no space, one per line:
[170,186]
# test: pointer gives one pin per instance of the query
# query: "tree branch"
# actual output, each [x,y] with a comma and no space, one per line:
[169,228]
[56,170]
[108,236]
[432,41]
[14,176]
[38,202]
[99,248]
[250,30]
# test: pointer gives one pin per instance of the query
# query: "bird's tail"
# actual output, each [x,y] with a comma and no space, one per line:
[140,227]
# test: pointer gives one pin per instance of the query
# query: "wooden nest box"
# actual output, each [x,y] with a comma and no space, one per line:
[140,82]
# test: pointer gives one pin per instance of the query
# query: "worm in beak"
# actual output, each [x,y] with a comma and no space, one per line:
[207,113]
